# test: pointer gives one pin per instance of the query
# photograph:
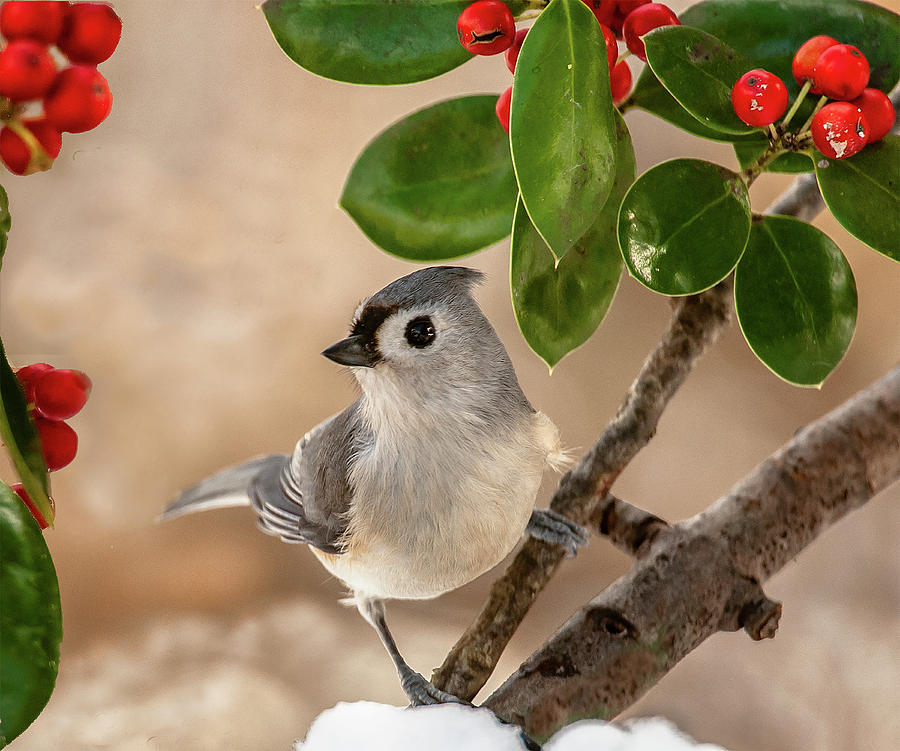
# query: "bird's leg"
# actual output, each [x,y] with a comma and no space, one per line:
[417,688]
[556,529]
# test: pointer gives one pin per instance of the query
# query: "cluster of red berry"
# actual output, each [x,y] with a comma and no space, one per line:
[836,71]
[53,396]
[75,99]
[487,27]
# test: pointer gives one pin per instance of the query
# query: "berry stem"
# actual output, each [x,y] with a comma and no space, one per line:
[40,160]
[626,54]
[797,102]
[775,149]
[819,105]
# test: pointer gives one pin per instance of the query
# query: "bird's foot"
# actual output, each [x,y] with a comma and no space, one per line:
[557,529]
[421,692]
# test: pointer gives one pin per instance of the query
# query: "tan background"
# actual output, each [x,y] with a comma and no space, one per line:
[189,255]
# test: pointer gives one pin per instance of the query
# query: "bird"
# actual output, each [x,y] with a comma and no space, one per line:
[429,478]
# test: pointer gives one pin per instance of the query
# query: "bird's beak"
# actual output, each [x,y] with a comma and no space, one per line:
[351,351]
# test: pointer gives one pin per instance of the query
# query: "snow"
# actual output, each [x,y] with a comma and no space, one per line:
[451,727]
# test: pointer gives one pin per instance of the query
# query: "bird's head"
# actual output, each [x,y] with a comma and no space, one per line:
[425,335]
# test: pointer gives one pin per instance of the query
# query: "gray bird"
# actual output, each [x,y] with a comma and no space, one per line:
[428,479]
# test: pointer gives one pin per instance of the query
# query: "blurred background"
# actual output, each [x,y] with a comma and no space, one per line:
[189,255]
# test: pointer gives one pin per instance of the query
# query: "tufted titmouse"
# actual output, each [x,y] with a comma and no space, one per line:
[424,482]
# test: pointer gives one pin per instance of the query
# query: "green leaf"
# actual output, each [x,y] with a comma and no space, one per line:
[768,33]
[683,226]
[21,439]
[562,127]
[30,618]
[436,185]
[862,193]
[748,152]
[5,222]
[795,299]
[699,70]
[653,97]
[558,307]
[371,41]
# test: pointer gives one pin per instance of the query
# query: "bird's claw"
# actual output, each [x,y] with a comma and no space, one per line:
[422,692]
[557,529]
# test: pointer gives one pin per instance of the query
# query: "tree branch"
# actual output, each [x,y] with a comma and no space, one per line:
[696,323]
[631,529]
[582,493]
[703,575]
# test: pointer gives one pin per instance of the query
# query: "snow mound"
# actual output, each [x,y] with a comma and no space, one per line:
[451,727]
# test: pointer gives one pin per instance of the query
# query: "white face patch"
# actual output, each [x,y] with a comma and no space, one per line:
[393,344]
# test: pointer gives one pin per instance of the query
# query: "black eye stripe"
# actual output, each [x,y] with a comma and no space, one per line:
[420,332]
[371,317]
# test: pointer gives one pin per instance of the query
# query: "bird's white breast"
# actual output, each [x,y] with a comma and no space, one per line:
[448,507]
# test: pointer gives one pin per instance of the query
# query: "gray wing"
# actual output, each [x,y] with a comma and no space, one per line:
[305,498]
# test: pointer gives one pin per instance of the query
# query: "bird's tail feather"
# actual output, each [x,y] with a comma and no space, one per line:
[223,489]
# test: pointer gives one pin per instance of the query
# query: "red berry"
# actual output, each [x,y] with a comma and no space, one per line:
[58,441]
[38,21]
[60,394]
[839,130]
[486,27]
[20,491]
[612,47]
[26,70]
[644,19]
[879,112]
[620,82]
[806,58]
[17,155]
[512,54]
[624,8]
[78,100]
[502,108]
[759,97]
[90,33]
[28,374]
[604,10]
[841,72]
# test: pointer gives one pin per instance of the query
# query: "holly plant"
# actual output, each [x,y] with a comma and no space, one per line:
[550,161]
[38,103]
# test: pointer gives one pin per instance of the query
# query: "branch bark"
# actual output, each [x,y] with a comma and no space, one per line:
[582,492]
[704,575]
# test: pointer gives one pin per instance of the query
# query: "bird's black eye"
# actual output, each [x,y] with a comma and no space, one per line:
[420,332]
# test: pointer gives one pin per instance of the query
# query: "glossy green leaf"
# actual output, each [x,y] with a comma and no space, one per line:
[699,70]
[371,41]
[562,126]
[795,299]
[30,618]
[863,193]
[683,226]
[654,98]
[768,33]
[21,439]
[748,152]
[558,307]
[436,185]
[5,222]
